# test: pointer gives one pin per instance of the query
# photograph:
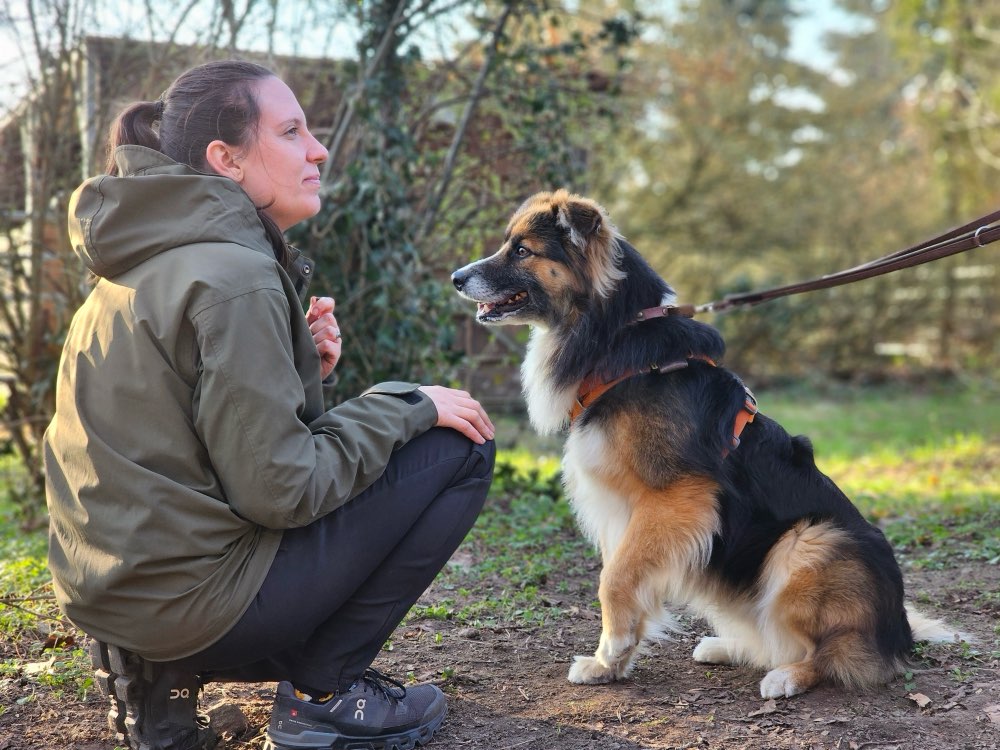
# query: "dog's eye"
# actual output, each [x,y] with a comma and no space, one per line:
[522,252]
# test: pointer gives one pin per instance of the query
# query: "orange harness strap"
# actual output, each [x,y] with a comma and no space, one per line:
[592,388]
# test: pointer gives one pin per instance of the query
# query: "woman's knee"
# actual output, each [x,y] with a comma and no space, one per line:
[487,454]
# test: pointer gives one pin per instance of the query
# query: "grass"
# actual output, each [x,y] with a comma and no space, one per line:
[39,644]
[924,465]
[523,543]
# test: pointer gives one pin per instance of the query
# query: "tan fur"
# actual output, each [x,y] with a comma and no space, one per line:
[597,248]
[667,534]
[826,604]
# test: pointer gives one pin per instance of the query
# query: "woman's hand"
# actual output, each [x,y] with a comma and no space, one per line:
[325,331]
[459,411]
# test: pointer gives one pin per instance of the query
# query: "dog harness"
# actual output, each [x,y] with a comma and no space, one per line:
[593,387]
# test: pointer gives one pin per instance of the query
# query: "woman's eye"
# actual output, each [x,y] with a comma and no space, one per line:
[292,131]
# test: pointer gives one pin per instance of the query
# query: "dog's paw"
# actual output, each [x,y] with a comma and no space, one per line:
[780,683]
[713,651]
[586,670]
[618,652]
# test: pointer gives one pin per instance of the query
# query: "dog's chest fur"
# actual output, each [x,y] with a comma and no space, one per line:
[601,513]
[548,406]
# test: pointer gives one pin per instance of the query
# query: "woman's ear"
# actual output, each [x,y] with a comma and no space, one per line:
[222,159]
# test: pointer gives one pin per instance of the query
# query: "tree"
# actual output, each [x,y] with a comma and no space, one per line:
[423,147]
[435,155]
[952,51]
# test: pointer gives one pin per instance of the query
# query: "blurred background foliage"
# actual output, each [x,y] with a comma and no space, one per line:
[730,153]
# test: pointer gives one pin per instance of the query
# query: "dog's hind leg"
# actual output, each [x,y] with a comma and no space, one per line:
[820,618]
[668,536]
[713,650]
[789,679]
[846,657]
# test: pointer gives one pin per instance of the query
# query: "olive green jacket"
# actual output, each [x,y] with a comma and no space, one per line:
[190,428]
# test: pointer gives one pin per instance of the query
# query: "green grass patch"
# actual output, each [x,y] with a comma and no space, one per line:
[524,551]
[925,465]
[850,423]
[32,628]
[25,582]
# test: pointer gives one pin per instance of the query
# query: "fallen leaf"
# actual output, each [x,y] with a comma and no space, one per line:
[769,707]
[920,699]
[37,667]
[993,713]
[57,640]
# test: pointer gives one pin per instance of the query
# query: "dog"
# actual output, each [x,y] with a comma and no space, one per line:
[692,497]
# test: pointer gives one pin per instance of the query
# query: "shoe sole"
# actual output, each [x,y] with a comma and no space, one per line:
[409,740]
[119,674]
[105,676]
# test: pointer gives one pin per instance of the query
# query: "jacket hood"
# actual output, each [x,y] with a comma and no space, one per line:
[116,223]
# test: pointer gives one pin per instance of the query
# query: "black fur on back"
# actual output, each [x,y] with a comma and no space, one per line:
[770,483]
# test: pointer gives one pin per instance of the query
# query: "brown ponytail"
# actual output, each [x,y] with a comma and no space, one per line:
[214,101]
[134,126]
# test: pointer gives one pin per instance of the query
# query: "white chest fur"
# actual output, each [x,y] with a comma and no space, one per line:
[601,512]
[548,406]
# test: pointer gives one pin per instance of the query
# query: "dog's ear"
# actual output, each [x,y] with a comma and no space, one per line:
[594,237]
[583,219]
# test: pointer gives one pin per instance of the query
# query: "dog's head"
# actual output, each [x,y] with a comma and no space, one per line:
[560,254]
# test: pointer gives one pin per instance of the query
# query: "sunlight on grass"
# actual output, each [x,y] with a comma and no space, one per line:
[892,453]
[858,422]
[925,466]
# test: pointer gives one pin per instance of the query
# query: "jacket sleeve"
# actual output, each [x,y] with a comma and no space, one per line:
[276,469]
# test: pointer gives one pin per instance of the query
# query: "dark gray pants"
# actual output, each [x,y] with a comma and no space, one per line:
[339,586]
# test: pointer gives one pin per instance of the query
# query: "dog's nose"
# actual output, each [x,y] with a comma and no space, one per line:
[458,279]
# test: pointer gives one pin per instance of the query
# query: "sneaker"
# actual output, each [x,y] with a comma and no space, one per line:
[377,713]
[153,707]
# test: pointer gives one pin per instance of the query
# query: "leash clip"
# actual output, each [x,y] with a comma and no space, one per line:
[975,237]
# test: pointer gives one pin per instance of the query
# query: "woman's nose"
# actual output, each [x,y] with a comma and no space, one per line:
[318,152]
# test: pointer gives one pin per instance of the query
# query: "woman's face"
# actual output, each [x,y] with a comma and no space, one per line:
[281,170]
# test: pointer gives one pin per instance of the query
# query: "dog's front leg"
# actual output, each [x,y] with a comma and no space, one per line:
[668,537]
[622,621]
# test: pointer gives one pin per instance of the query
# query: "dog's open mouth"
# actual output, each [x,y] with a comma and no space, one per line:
[493,311]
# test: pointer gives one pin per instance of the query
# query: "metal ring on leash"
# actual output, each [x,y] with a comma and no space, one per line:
[975,237]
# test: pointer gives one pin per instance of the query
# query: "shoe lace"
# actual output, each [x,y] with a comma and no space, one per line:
[381,683]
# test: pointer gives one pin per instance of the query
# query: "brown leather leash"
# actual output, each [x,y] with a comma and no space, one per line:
[978,233]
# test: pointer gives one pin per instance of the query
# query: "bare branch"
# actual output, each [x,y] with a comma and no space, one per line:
[346,113]
[430,217]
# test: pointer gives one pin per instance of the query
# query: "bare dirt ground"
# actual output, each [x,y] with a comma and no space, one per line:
[508,689]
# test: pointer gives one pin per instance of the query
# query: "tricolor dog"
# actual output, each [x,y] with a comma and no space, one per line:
[692,497]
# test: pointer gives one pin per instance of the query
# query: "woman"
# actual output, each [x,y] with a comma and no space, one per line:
[209,519]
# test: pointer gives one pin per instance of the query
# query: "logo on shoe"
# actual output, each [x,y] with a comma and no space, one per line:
[176,694]
[360,713]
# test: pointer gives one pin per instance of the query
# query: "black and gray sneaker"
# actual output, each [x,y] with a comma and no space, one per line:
[377,713]
[152,707]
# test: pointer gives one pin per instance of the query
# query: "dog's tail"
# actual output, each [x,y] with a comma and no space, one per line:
[925,628]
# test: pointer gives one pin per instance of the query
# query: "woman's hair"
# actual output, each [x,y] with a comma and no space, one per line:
[214,101]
